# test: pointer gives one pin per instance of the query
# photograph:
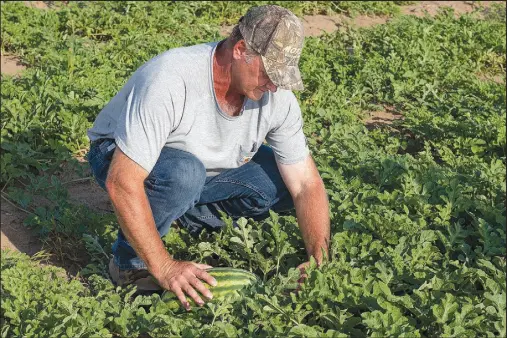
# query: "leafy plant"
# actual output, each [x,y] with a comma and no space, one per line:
[417,207]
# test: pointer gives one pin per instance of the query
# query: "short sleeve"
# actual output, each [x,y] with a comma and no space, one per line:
[286,136]
[146,121]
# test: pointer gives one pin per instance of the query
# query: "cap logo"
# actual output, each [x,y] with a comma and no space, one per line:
[293,50]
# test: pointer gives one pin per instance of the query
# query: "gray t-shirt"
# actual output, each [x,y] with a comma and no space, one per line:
[169,101]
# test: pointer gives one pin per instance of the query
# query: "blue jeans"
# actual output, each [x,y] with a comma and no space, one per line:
[178,189]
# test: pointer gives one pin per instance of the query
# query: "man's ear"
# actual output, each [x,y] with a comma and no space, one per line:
[239,50]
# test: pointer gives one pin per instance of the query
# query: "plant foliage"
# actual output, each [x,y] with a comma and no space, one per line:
[417,207]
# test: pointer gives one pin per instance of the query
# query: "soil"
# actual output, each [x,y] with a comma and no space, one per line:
[460,7]
[90,194]
[493,78]
[386,116]
[315,25]
[36,4]
[45,4]
[379,118]
[368,21]
[85,190]
[11,65]
[16,236]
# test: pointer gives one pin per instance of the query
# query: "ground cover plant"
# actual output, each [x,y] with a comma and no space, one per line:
[417,207]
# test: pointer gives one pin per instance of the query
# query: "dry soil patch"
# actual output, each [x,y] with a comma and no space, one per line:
[36,4]
[89,193]
[11,65]
[315,25]
[494,78]
[84,190]
[14,235]
[367,21]
[460,7]
[382,117]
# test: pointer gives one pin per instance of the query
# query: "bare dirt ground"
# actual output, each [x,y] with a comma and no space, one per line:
[382,117]
[84,190]
[16,236]
[10,65]
[494,78]
[37,4]
[460,7]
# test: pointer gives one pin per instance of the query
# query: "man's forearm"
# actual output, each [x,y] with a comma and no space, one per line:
[312,210]
[136,220]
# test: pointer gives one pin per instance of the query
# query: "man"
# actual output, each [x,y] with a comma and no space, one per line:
[183,140]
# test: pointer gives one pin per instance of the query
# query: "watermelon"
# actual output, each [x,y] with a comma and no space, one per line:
[230,281]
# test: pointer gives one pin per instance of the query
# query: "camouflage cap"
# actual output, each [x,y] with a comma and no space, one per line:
[277,35]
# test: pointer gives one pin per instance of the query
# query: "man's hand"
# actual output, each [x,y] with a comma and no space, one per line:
[302,270]
[183,278]
[303,275]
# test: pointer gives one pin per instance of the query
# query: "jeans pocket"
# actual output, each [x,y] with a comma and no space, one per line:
[99,158]
[92,153]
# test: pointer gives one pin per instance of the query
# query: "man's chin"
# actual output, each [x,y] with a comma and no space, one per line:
[256,95]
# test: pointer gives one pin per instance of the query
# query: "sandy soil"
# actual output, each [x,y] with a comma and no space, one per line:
[460,7]
[10,65]
[494,78]
[36,4]
[386,116]
[84,190]
[16,236]
[315,25]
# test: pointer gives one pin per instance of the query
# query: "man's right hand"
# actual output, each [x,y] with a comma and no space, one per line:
[125,186]
[183,277]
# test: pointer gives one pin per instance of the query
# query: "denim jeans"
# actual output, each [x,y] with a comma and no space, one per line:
[178,189]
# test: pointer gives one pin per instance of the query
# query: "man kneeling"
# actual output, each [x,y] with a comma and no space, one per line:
[184,139]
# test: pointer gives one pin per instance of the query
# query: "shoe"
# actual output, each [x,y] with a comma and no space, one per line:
[141,278]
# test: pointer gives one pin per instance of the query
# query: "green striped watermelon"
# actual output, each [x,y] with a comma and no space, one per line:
[230,281]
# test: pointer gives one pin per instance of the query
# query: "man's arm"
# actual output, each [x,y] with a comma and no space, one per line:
[312,207]
[125,186]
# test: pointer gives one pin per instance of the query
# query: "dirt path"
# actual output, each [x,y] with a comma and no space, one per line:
[16,236]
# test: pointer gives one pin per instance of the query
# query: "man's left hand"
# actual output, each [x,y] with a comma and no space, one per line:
[302,270]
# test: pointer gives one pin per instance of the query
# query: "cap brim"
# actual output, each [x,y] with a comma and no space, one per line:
[282,75]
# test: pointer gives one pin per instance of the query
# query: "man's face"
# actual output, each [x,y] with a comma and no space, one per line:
[249,75]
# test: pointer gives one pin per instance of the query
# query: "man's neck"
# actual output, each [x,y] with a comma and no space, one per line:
[222,77]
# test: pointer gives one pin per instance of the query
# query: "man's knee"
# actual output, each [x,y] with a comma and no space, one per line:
[268,191]
[273,192]
[177,175]
[277,199]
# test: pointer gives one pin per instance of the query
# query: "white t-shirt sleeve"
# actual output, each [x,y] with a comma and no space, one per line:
[286,136]
[146,120]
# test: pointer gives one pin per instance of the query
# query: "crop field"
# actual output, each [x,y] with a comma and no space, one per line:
[405,120]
